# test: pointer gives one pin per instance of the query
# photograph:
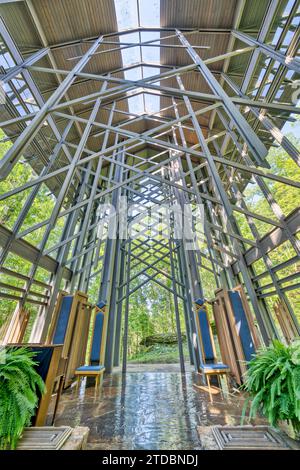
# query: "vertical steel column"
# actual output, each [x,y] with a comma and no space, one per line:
[119,289]
[109,249]
[126,317]
[196,347]
[177,313]
[107,291]
[110,342]
[87,259]
[186,310]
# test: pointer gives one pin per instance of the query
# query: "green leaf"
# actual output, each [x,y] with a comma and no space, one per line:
[19,388]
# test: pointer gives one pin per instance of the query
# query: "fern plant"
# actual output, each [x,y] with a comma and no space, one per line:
[273,383]
[20,385]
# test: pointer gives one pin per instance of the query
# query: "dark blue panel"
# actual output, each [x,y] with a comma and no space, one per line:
[43,359]
[242,325]
[63,318]
[205,336]
[97,338]
[101,304]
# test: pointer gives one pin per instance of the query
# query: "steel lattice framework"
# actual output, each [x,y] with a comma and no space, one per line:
[177,159]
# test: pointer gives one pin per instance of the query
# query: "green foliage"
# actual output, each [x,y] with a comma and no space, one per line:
[20,385]
[160,354]
[163,338]
[9,211]
[288,199]
[273,383]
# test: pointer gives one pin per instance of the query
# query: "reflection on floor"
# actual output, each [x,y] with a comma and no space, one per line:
[151,407]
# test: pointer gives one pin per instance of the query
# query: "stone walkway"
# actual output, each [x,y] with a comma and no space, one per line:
[153,407]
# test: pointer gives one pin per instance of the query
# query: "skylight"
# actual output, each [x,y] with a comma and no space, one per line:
[149,13]
[17,90]
[127,14]
[131,55]
[133,14]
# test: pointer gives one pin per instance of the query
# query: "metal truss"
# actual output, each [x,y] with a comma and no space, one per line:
[175,159]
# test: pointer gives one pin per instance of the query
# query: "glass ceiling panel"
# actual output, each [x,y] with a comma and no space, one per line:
[149,13]
[133,74]
[127,14]
[150,71]
[132,55]
[151,54]
[136,104]
[132,14]
[152,103]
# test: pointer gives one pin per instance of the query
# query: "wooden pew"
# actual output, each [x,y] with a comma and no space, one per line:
[286,324]
[70,327]
[15,329]
[236,330]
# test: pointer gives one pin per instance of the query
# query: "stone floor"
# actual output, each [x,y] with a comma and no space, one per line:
[152,407]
